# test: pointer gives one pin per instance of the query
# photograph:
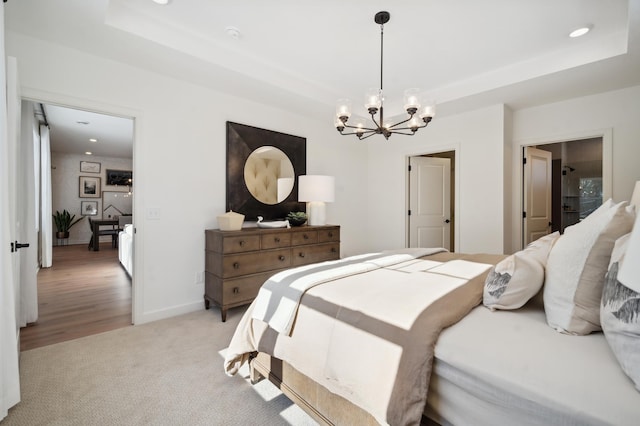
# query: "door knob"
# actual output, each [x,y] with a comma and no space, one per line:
[447,221]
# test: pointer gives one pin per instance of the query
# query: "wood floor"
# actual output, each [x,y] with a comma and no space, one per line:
[84,292]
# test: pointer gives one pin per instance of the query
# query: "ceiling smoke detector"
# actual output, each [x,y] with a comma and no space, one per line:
[232,32]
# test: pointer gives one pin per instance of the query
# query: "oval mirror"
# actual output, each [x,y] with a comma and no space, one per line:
[269,175]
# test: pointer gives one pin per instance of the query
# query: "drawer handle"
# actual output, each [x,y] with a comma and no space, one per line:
[236,265]
[276,239]
[241,243]
[301,254]
[330,234]
[281,257]
[305,236]
[333,250]
[236,290]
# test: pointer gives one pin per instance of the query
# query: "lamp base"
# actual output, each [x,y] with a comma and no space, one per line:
[316,213]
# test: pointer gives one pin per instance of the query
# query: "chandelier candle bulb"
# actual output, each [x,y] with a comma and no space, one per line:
[428,111]
[343,108]
[372,100]
[411,100]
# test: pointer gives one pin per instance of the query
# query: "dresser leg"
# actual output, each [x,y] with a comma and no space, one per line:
[223,313]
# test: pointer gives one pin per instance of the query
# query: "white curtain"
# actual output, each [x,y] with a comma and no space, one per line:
[46,225]
[9,373]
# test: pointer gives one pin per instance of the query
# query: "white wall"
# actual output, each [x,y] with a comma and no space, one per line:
[180,158]
[179,162]
[478,139]
[617,111]
[65,189]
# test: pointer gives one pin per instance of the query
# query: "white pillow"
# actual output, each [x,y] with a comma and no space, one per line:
[576,268]
[620,316]
[519,277]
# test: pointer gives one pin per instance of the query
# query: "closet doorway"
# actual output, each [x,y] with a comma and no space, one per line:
[577,187]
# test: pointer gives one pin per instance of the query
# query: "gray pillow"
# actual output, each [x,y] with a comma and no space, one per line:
[519,277]
[620,316]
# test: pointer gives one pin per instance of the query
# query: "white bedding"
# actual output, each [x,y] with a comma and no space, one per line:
[549,378]
[347,328]
[279,297]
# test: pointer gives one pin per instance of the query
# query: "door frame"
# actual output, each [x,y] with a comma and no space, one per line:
[518,154]
[34,95]
[456,185]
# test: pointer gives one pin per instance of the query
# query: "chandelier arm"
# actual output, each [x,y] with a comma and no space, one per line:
[408,128]
[373,118]
[372,131]
[395,132]
[356,127]
[368,136]
[400,122]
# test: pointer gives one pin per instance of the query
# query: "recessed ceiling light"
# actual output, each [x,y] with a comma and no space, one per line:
[89,153]
[579,32]
[93,140]
[162,2]
[82,122]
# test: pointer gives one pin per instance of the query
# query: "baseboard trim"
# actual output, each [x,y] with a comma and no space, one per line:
[170,312]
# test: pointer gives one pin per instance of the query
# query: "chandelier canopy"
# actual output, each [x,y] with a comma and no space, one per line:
[374,99]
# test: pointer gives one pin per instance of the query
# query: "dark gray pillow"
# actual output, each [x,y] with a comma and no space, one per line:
[620,316]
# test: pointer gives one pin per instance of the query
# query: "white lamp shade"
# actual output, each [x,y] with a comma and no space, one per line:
[316,188]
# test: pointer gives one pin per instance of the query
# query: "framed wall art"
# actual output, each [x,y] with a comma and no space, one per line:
[90,187]
[119,177]
[89,208]
[89,167]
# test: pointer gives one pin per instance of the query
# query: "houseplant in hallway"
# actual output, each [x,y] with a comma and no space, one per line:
[64,221]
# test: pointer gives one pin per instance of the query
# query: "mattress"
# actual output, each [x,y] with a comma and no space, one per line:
[510,367]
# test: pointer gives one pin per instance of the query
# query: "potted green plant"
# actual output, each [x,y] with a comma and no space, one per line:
[64,221]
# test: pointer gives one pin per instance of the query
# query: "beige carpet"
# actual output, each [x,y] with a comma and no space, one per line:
[168,372]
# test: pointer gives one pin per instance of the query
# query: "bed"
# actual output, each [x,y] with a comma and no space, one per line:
[365,349]
[125,248]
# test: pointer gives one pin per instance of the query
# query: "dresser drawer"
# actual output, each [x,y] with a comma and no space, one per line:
[241,244]
[317,253]
[304,237]
[235,290]
[271,241]
[329,235]
[250,263]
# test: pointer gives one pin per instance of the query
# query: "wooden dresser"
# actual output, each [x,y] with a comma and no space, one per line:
[237,263]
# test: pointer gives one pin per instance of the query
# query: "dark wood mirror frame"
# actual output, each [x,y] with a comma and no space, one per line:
[242,140]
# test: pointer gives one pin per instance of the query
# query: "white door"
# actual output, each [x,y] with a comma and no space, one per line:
[537,190]
[9,378]
[429,202]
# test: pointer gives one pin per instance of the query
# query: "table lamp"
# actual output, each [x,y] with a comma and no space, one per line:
[316,190]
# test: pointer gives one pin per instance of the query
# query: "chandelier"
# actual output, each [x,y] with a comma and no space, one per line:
[374,99]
